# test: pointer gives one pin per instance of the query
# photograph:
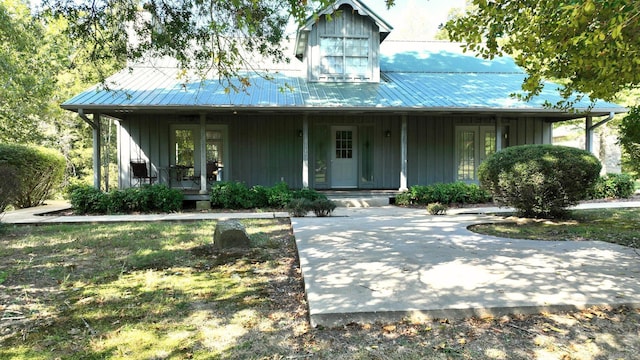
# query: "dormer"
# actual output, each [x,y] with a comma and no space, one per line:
[342,44]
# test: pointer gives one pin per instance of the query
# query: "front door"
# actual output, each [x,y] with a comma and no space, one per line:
[344,157]
[473,145]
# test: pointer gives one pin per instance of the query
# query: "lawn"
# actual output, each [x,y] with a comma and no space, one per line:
[619,226]
[158,291]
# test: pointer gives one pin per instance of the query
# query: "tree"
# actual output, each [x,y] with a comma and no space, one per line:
[205,37]
[27,74]
[591,46]
[630,140]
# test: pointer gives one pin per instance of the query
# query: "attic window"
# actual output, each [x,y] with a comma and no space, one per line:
[345,57]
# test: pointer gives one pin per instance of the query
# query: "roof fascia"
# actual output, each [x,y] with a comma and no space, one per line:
[564,115]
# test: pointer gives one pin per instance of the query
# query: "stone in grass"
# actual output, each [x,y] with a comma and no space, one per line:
[230,234]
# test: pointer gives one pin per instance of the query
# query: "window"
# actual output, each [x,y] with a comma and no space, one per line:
[344,57]
[473,145]
[344,144]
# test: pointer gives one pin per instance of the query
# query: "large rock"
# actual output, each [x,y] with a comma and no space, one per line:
[230,234]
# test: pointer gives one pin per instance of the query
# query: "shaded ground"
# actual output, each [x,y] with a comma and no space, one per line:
[160,292]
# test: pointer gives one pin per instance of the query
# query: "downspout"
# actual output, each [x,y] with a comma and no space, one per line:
[589,128]
[95,125]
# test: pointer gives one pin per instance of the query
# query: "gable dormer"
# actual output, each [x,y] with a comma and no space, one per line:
[342,44]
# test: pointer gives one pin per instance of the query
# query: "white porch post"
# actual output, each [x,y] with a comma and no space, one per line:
[403,154]
[97,153]
[203,153]
[498,133]
[305,151]
[588,133]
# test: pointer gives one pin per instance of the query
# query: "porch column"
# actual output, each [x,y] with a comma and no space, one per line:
[305,151]
[588,133]
[95,126]
[203,153]
[97,153]
[498,133]
[403,154]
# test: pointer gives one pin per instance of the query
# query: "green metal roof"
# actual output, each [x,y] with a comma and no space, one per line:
[425,77]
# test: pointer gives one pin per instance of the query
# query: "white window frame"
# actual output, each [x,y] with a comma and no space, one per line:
[344,71]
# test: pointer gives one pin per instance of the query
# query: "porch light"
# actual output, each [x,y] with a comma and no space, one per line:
[299,133]
[387,133]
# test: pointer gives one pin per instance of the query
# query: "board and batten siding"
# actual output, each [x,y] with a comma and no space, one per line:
[266,149]
[263,149]
[144,138]
[431,142]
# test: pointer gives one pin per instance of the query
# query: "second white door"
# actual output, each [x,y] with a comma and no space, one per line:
[344,157]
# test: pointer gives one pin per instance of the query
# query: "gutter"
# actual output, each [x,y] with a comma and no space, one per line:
[84,117]
[601,122]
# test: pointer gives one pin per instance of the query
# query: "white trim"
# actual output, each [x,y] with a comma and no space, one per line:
[403,154]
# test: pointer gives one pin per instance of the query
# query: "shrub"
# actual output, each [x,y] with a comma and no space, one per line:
[235,195]
[39,172]
[322,207]
[437,209]
[259,196]
[8,185]
[231,195]
[164,199]
[279,195]
[149,198]
[452,193]
[299,207]
[613,186]
[539,180]
[88,200]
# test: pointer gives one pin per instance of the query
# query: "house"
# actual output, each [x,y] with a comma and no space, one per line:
[364,113]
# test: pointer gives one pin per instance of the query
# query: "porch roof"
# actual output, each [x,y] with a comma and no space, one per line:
[414,78]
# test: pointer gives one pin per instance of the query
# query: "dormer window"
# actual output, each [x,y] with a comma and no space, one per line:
[345,57]
[342,44]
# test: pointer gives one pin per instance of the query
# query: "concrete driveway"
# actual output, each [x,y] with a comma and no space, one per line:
[388,263]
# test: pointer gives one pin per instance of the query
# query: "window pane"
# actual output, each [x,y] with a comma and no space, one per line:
[466,152]
[332,65]
[184,148]
[344,145]
[489,143]
[356,65]
[366,153]
[214,146]
[357,47]
[332,46]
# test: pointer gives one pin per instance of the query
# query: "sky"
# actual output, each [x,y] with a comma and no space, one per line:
[414,19]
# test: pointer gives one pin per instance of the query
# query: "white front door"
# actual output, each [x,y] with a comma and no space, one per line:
[344,157]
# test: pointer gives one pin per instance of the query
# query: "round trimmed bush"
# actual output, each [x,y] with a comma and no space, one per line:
[39,172]
[540,180]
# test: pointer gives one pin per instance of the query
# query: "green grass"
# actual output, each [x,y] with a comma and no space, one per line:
[158,291]
[138,291]
[619,226]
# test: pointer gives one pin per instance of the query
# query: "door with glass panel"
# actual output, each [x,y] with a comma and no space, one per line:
[344,157]
[215,154]
[184,157]
[473,145]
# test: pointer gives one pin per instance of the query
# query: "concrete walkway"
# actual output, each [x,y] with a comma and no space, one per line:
[36,216]
[388,263]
